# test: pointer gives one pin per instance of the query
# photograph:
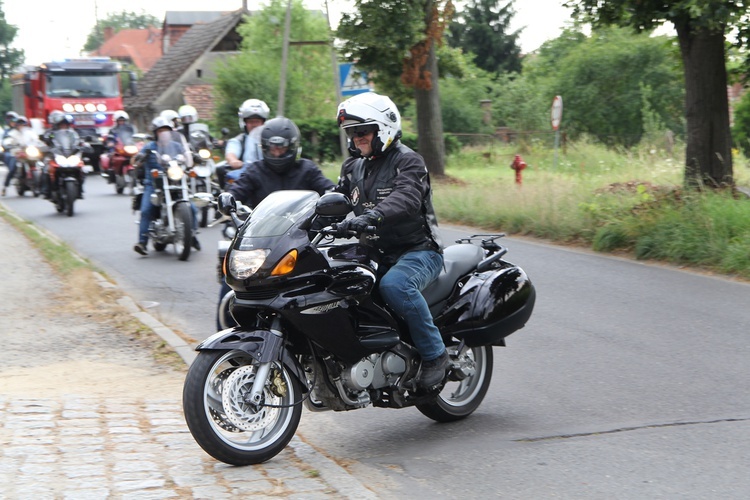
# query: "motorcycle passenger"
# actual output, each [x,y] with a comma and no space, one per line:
[244,149]
[174,119]
[60,122]
[8,158]
[389,186]
[281,168]
[163,143]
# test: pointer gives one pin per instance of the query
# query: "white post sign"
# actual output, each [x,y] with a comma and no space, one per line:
[556,116]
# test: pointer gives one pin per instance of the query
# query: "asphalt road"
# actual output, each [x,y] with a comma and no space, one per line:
[629,381]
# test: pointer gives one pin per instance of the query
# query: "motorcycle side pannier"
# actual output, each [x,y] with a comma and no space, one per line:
[485,307]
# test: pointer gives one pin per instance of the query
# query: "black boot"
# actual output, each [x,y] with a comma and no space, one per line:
[433,371]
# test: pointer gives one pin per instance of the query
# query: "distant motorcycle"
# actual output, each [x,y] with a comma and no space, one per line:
[201,174]
[66,170]
[174,222]
[117,166]
[28,167]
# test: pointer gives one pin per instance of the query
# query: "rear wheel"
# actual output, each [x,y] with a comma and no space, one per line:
[466,387]
[183,226]
[226,426]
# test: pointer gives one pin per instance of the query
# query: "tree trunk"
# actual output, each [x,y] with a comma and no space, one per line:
[430,121]
[708,154]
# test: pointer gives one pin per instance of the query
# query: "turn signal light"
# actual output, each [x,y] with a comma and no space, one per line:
[286,264]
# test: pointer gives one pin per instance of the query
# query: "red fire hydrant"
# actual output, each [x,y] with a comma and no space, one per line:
[518,165]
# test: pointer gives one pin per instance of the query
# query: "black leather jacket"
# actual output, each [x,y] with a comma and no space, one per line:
[398,185]
[258,181]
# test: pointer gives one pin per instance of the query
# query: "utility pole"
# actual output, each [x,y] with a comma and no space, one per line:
[284,56]
[337,83]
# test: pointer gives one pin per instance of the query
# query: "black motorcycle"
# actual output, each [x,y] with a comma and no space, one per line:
[313,330]
[65,168]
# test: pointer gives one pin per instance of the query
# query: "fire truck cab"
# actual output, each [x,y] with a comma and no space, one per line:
[89,89]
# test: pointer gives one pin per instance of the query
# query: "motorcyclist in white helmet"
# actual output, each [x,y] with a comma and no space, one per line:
[174,119]
[147,160]
[244,149]
[389,187]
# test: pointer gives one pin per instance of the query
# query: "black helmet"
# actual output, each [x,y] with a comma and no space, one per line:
[282,132]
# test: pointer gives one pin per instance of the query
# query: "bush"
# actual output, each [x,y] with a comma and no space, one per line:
[319,139]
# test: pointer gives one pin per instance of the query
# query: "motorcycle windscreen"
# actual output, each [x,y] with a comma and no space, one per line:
[66,142]
[126,137]
[277,213]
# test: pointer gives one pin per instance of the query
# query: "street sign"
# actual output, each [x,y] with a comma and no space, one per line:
[556,115]
[353,82]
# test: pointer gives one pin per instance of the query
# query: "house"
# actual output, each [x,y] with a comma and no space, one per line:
[184,73]
[138,47]
[177,23]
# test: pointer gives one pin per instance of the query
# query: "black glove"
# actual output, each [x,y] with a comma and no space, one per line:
[359,224]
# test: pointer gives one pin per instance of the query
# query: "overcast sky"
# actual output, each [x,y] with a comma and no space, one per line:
[56,29]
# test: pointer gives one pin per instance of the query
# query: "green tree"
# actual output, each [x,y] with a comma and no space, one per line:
[701,27]
[10,58]
[604,80]
[255,73]
[482,28]
[118,21]
[397,42]
[741,127]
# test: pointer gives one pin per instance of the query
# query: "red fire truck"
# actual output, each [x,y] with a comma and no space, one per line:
[89,89]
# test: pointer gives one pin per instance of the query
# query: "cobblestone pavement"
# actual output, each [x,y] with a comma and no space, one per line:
[86,412]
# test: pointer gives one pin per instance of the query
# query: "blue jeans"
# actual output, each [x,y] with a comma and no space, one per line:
[235,174]
[149,211]
[401,288]
[10,162]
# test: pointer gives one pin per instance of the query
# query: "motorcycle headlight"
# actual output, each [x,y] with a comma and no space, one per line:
[245,263]
[175,172]
[74,160]
[130,149]
[32,152]
[205,154]
[61,160]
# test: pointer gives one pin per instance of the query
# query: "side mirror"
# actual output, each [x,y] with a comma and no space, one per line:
[335,204]
[224,132]
[227,204]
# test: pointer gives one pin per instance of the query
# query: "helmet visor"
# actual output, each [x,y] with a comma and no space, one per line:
[360,131]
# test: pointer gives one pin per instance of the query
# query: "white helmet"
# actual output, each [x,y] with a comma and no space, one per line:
[120,114]
[171,115]
[188,114]
[253,108]
[160,122]
[370,108]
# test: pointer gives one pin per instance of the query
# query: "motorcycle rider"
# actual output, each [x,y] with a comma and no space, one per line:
[122,126]
[59,121]
[8,158]
[389,186]
[280,168]
[163,143]
[244,149]
[174,119]
[23,135]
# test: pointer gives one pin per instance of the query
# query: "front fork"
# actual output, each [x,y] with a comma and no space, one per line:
[255,396]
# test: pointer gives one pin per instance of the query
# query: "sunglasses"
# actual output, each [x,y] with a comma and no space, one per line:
[360,131]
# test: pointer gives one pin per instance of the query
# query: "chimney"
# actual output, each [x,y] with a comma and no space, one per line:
[109,32]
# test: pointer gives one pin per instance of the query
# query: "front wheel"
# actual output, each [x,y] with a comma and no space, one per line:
[223,424]
[71,195]
[466,387]
[183,225]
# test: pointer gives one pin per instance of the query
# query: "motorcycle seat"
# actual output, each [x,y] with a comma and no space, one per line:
[457,261]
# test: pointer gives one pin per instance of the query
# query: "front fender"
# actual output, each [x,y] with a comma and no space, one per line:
[262,345]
